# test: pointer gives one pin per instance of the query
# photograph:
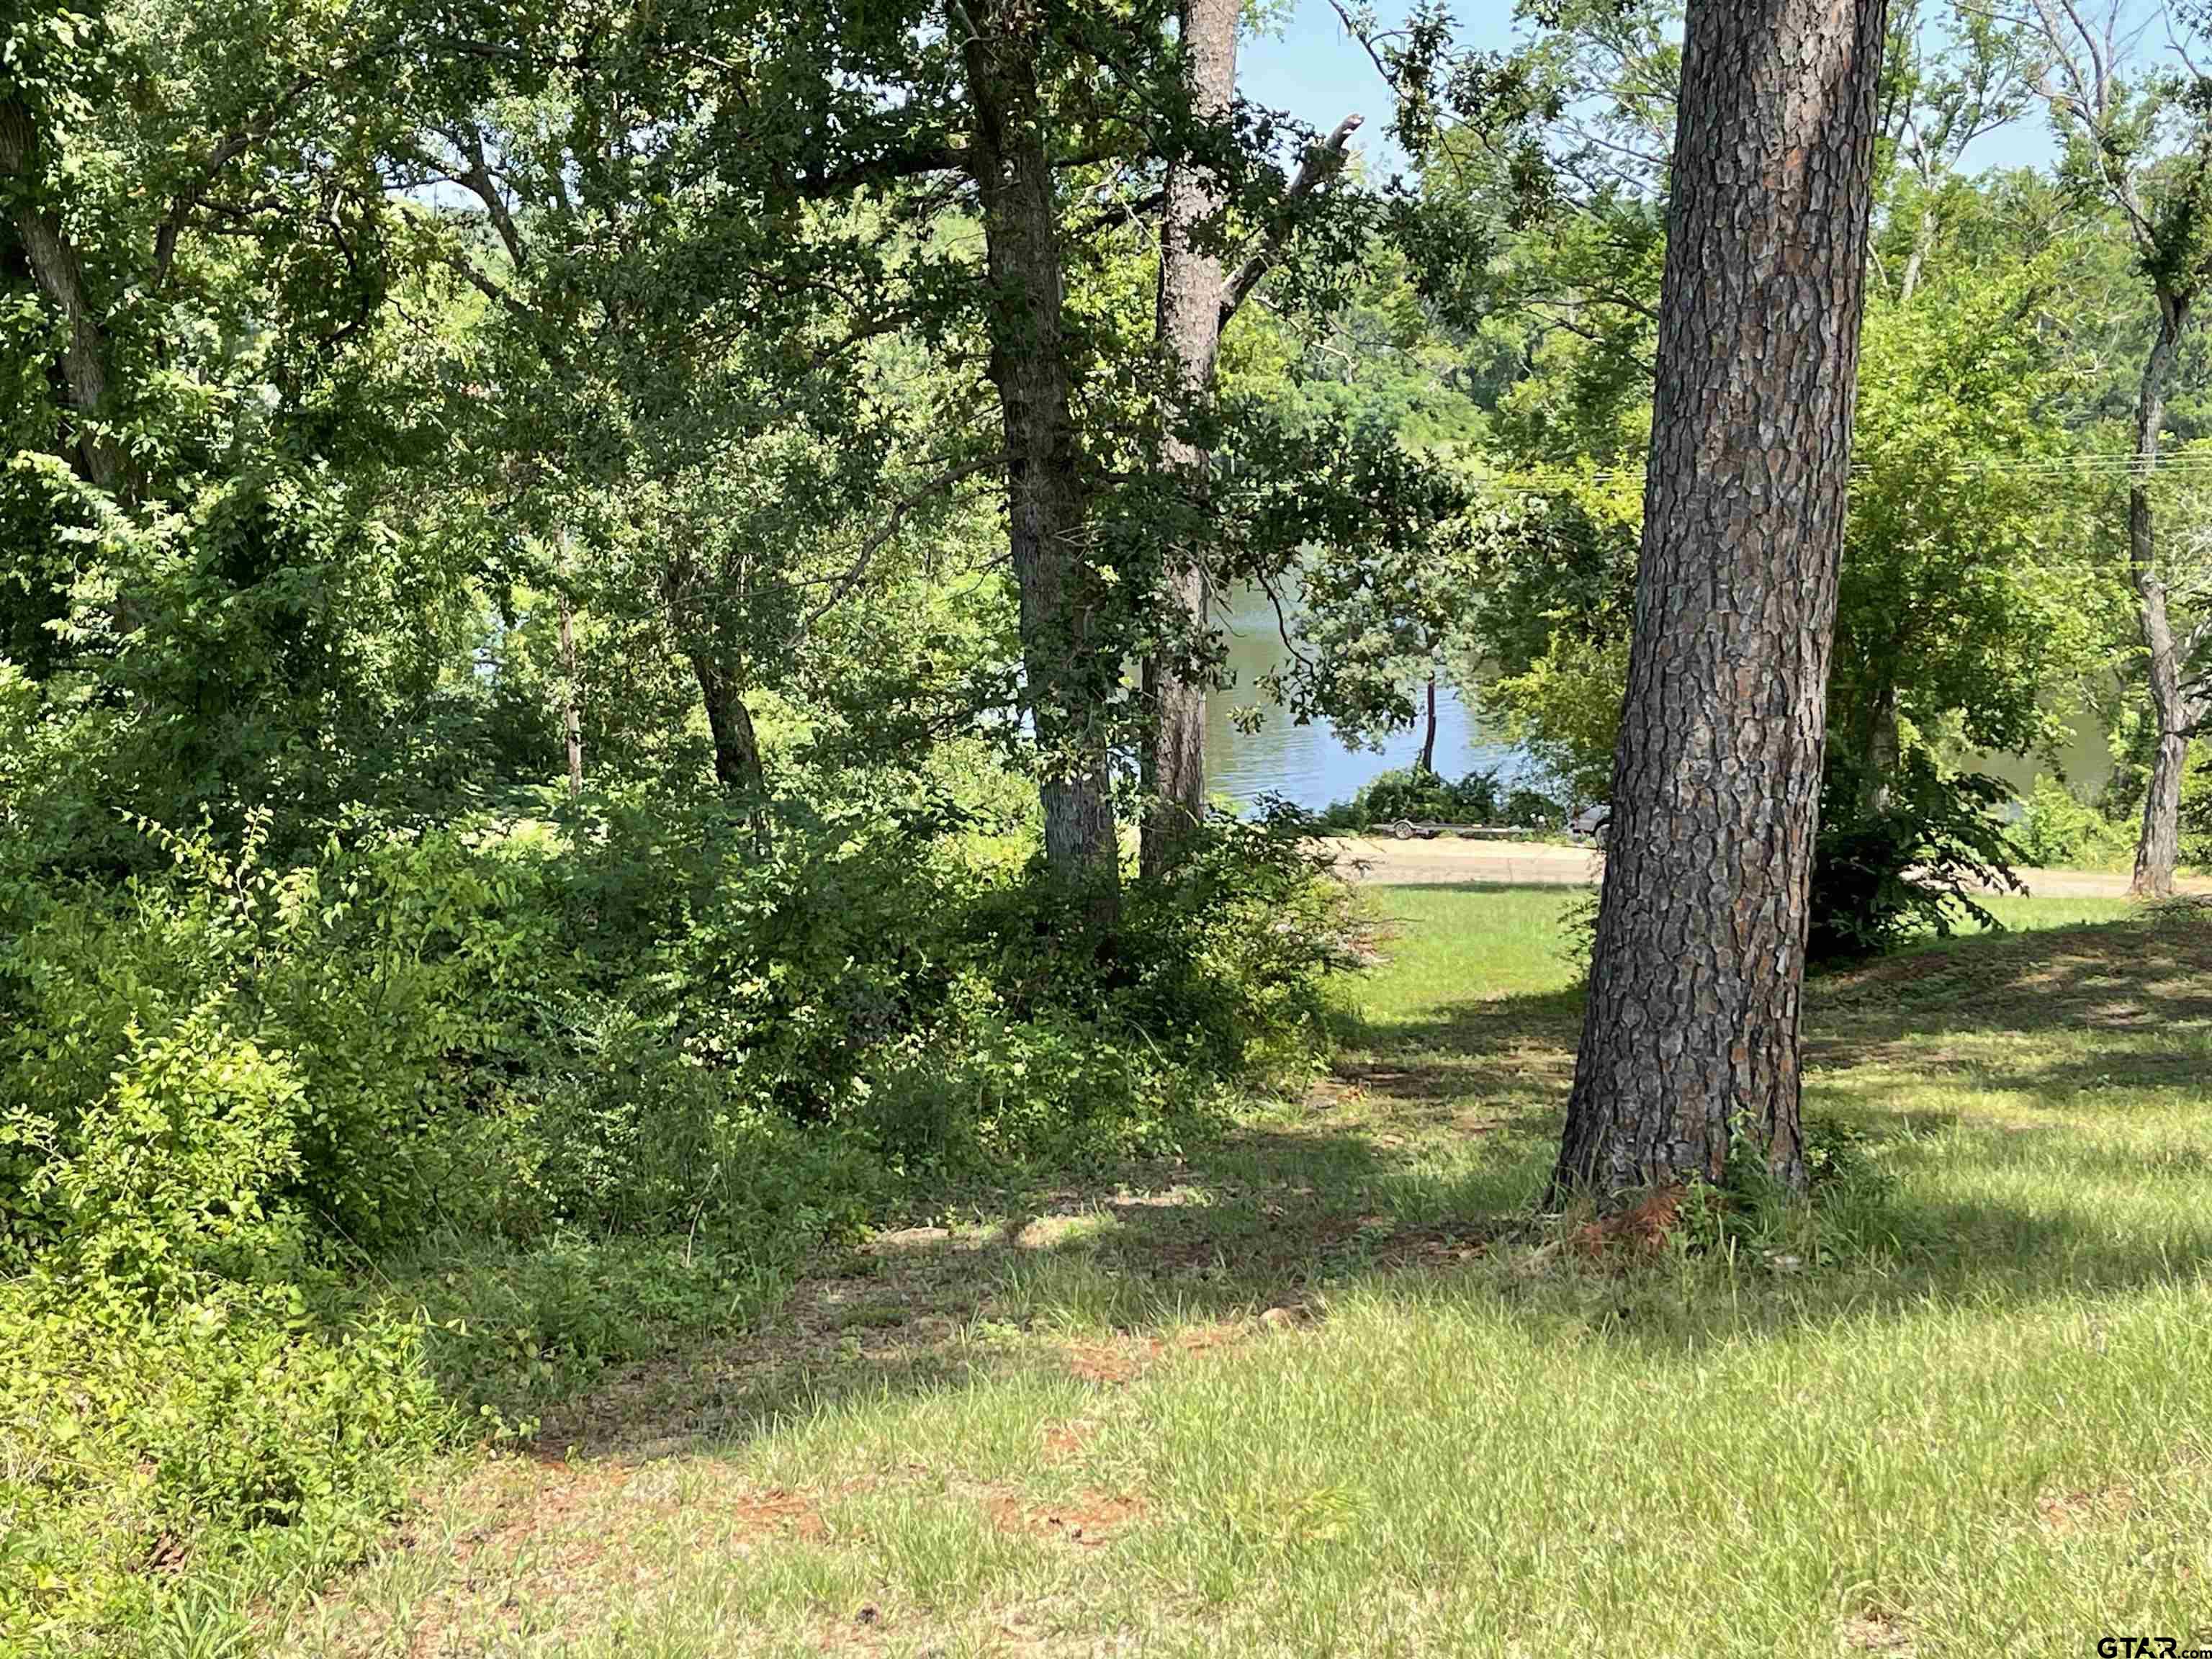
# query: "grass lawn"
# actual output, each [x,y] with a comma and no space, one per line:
[1326,1388]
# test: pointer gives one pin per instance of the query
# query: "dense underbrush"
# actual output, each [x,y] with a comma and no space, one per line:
[311,1165]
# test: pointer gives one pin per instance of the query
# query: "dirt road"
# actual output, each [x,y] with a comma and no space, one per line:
[1455,863]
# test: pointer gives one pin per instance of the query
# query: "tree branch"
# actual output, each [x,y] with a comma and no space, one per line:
[479,178]
[885,531]
[1321,161]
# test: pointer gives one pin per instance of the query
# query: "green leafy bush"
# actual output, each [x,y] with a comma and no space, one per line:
[175,1434]
[585,1089]
[184,1168]
[1057,1043]
[382,984]
[1881,876]
[2058,830]
[643,1024]
[1429,797]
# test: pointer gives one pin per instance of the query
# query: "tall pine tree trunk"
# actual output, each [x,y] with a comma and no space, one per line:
[2158,848]
[1692,1025]
[1070,673]
[1188,326]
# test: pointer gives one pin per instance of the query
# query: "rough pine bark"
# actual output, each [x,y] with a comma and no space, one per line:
[1070,673]
[1692,1025]
[2158,848]
[1188,327]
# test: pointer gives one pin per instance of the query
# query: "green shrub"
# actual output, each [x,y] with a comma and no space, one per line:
[2058,830]
[180,1437]
[1880,876]
[585,1091]
[643,1024]
[1525,808]
[181,1379]
[1057,1043]
[183,1169]
[1429,797]
[385,983]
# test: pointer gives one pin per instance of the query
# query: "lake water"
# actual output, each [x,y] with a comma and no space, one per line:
[1311,767]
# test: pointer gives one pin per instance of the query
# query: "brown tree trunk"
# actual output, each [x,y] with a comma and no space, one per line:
[1188,327]
[1429,739]
[1070,675]
[60,276]
[1692,1025]
[572,713]
[738,766]
[2158,848]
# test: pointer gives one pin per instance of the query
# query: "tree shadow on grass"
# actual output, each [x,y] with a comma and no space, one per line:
[1409,1175]
[1269,1219]
[1418,1161]
[2144,974]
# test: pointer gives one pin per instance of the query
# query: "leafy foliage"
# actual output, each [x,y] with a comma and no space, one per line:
[1478,797]
[2058,828]
[1920,864]
[528,697]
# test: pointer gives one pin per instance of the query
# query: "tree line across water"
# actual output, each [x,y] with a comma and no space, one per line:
[608,608]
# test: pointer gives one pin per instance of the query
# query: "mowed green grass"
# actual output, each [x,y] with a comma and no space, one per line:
[1329,1388]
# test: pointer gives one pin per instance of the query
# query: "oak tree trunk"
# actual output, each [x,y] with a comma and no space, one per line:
[738,765]
[2158,848]
[60,276]
[1070,673]
[1692,1025]
[1188,326]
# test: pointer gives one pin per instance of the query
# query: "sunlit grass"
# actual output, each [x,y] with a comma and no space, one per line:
[1964,1405]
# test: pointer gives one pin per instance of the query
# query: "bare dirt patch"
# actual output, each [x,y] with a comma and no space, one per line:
[1063,1443]
[1877,1633]
[2069,1512]
[1087,1518]
[1113,1361]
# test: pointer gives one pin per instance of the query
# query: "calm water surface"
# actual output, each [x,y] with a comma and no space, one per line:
[1311,766]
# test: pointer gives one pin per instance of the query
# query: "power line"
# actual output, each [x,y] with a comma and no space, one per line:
[2102,468]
